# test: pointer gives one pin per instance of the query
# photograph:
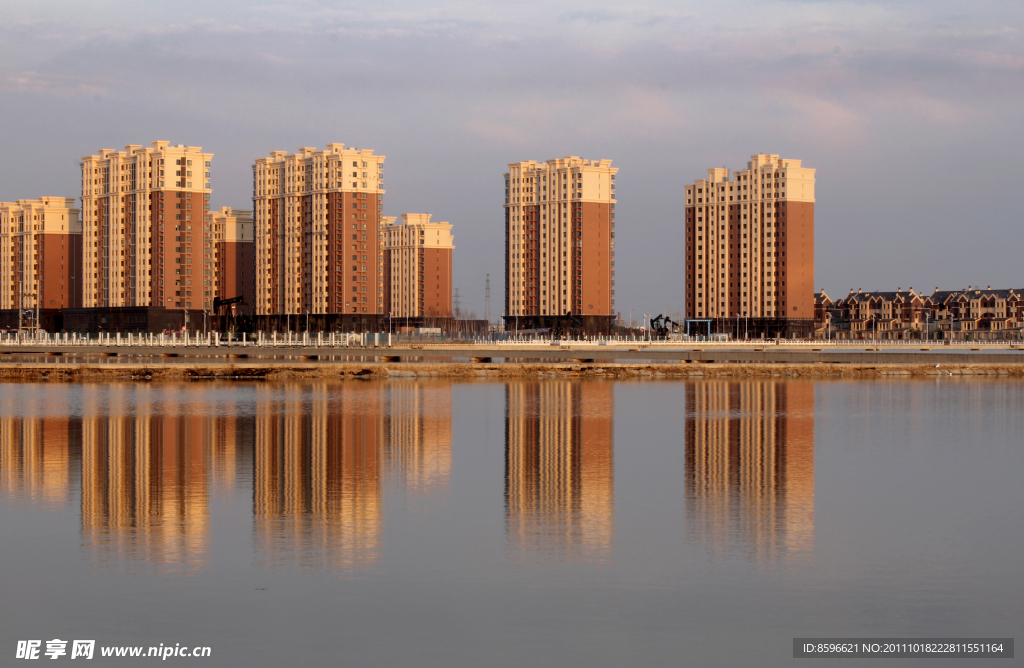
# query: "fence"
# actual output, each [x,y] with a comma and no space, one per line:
[385,340]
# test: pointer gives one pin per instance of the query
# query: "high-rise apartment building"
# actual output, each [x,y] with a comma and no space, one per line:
[40,254]
[560,238]
[750,242]
[146,240]
[234,257]
[417,266]
[317,220]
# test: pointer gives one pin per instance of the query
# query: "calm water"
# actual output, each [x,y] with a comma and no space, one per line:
[550,523]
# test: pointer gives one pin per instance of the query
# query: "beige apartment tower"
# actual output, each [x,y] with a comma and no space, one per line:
[317,221]
[560,238]
[146,240]
[234,257]
[40,255]
[418,267]
[750,242]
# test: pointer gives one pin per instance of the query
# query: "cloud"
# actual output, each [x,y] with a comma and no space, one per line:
[828,122]
[665,88]
[54,84]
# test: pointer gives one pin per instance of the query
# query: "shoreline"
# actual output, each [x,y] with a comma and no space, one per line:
[71,372]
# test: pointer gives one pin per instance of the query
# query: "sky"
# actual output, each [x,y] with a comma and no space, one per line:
[910,111]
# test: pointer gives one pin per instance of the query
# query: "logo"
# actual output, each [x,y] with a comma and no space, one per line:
[56,648]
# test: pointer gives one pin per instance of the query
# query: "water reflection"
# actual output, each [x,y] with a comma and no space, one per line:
[750,467]
[145,458]
[322,453]
[418,435]
[231,450]
[39,453]
[316,474]
[145,475]
[559,491]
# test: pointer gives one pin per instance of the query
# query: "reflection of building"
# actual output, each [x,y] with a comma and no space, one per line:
[750,465]
[141,457]
[144,479]
[150,457]
[317,473]
[559,492]
[231,445]
[417,434]
[39,453]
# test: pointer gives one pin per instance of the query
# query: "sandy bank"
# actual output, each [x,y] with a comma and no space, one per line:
[319,370]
